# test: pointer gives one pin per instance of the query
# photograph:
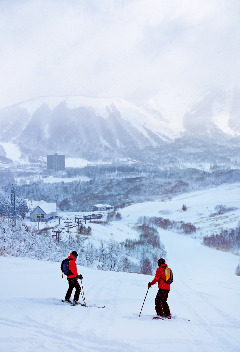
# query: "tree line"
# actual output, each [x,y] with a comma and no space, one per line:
[167,224]
[227,240]
[139,256]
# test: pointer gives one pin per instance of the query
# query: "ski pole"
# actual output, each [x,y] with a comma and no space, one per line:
[82,292]
[143,302]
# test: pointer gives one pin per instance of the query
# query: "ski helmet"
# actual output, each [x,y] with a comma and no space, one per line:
[74,253]
[161,261]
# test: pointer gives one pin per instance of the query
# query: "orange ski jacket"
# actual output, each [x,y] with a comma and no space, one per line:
[160,278]
[72,266]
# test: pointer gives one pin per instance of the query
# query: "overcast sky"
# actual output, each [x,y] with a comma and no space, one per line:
[163,51]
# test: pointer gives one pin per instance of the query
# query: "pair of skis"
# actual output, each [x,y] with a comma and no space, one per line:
[84,304]
[161,318]
[158,317]
[81,304]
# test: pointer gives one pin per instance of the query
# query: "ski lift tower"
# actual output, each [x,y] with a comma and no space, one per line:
[57,234]
[13,200]
[78,220]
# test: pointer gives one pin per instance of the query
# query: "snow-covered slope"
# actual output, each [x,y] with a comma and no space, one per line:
[214,113]
[205,291]
[201,212]
[201,207]
[12,152]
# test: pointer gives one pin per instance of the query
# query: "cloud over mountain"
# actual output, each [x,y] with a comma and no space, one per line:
[141,50]
[111,127]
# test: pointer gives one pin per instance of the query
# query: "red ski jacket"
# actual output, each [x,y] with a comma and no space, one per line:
[160,277]
[72,266]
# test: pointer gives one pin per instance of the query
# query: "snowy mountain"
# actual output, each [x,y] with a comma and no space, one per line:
[216,113]
[73,124]
[98,128]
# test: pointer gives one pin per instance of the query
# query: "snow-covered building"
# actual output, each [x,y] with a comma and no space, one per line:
[102,207]
[42,211]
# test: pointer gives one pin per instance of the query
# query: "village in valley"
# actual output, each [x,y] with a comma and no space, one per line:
[48,219]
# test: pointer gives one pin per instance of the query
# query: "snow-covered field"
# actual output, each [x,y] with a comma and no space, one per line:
[12,151]
[200,206]
[205,291]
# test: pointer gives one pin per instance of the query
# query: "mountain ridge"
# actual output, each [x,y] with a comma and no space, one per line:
[80,126]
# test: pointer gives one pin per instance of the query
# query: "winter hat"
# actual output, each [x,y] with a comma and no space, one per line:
[74,253]
[161,261]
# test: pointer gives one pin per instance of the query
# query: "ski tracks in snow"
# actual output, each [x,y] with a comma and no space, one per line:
[194,295]
[46,325]
[60,327]
[41,337]
[207,321]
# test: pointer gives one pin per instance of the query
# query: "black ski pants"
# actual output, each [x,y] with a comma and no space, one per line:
[73,282]
[161,305]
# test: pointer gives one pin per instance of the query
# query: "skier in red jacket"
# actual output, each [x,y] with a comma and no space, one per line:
[161,305]
[72,279]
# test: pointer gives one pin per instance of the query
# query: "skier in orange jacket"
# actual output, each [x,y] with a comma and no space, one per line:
[72,279]
[161,305]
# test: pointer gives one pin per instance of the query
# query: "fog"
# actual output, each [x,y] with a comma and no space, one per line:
[162,53]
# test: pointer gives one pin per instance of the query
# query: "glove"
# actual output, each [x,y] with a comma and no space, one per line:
[80,277]
[149,285]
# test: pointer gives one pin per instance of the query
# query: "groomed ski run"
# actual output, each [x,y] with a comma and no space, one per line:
[205,291]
